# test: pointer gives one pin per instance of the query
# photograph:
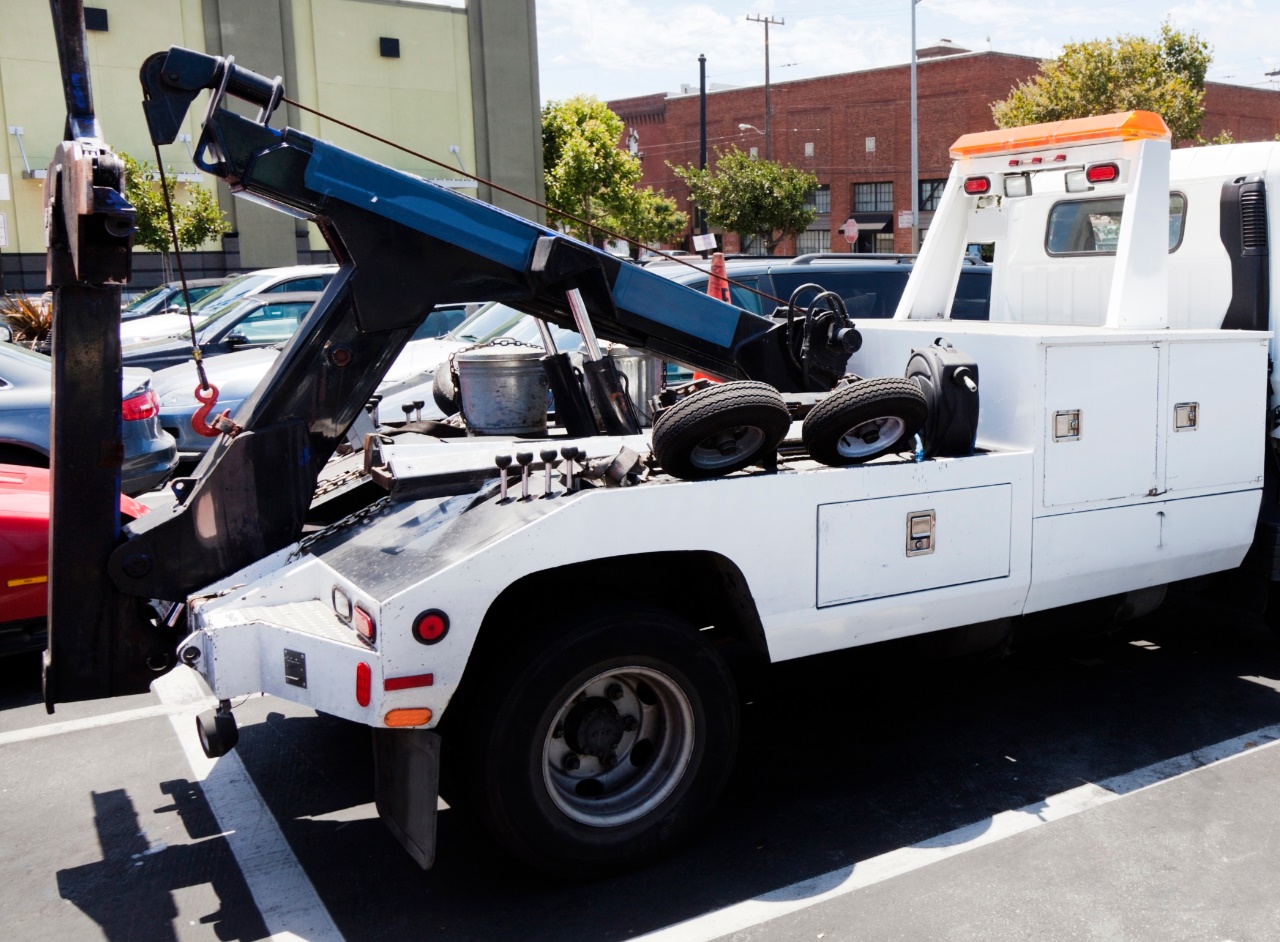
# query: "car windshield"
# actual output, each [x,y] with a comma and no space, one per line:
[233,290]
[234,309]
[526,331]
[17,350]
[147,301]
[485,323]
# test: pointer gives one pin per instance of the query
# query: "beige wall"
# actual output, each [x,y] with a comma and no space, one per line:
[31,93]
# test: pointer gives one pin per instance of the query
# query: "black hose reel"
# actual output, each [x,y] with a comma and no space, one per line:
[820,337]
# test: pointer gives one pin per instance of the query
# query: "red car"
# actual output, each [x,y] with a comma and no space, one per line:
[24,555]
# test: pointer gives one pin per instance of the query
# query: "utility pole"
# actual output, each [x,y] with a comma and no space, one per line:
[915,143]
[702,135]
[768,101]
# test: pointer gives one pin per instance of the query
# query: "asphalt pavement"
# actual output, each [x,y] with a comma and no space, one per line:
[1121,789]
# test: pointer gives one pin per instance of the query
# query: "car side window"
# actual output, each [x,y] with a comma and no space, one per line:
[740,294]
[866,294]
[272,323]
[315,283]
[973,297]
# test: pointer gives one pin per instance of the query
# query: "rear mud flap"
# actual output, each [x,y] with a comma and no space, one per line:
[407,782]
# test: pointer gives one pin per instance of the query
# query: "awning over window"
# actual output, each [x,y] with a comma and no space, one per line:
[873,222]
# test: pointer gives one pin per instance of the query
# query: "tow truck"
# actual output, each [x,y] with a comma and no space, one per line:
[575,613]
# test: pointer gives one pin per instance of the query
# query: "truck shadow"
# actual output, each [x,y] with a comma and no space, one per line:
[129,893]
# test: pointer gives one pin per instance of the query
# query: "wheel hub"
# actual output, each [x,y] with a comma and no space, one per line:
[594,728]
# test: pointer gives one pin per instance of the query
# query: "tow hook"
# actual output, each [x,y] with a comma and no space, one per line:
[217,730]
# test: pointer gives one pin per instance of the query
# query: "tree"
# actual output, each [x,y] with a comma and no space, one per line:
[752,197]
[590,177]
[1164,75]
[197,220]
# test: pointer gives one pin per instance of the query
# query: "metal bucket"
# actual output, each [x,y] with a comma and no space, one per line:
[643,374]
[502,391]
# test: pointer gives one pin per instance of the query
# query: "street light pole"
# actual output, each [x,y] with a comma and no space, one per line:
[768,100]
[915,143]
[702,136]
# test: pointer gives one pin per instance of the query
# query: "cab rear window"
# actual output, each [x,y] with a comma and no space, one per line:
[1092,227]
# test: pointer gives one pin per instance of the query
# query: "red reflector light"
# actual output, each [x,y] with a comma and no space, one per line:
[142,406]
[1059,157]
[364,683]
[975,185]
[1102,173]
[430,626]
[408,683]
[1037,160]
[363,622]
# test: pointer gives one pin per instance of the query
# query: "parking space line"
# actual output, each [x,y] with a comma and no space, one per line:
[107,719]
[845,880]
[290,907]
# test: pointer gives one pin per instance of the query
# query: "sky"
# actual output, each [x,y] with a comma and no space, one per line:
[620,48]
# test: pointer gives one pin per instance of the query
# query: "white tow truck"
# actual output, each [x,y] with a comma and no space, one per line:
[579,633]
[571,610]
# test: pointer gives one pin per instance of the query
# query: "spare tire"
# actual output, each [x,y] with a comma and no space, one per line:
[865,420]
[721,429]
[443,389]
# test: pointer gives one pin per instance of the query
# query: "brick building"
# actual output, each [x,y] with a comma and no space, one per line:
[854,132]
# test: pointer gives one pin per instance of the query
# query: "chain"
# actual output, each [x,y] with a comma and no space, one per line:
[348,521]
[338,481]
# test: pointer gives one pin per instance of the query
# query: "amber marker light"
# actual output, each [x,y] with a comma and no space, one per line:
[1124,126]
[409,716]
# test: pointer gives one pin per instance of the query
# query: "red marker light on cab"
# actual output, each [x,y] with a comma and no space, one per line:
[975,186]
[1102,173]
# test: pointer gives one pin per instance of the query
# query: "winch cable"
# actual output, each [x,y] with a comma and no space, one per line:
[196,353]
[520,196]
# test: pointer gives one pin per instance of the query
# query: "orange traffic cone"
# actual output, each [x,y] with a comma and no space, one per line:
[718,283]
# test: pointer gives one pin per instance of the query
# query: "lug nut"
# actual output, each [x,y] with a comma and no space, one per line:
[610,760]
[614,692]
[570,762]
[629,723]
[558,732]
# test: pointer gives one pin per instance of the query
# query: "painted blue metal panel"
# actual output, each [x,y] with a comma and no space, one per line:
[477,227]
[662,300]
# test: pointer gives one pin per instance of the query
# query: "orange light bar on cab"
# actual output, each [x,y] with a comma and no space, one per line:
[1125,126]
[408,717]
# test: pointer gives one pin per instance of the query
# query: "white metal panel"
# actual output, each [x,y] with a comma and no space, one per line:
[1114,388]
[1140,289]
[862,545]
[1096,553]
[1225,447]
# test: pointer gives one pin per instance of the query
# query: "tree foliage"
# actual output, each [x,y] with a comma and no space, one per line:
[198,219]
[589,177]
[752,197]
[1164,75]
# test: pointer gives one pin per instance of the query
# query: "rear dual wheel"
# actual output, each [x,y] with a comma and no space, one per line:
[607,746]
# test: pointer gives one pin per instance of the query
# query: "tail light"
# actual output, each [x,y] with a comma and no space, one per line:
[1102,173]
[430,626]
[976,186]
[363,622]
[145,405]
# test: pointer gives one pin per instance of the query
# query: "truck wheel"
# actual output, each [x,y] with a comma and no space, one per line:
[721,429]
[608,745]
[864,420]
[443,391]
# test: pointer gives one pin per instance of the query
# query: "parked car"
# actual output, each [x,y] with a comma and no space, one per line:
[173,321]
[256,321]
[237,374]
[871,285]
[161,297]
[24,555]
[150,453]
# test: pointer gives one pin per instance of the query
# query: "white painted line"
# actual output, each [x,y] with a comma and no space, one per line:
[107,719]
[291,909]
[874,870]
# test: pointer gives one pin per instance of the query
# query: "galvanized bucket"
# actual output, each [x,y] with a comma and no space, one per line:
[502,391]
[643,374]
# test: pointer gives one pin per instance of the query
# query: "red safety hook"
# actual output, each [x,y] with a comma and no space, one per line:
[199,421]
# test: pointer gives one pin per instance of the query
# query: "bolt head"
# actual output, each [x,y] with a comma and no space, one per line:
[614,692]
[610,760]
[630,723]
[570,762]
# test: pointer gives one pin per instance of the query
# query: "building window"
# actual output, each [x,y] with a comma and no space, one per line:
[753,245]
[95,19]
[819,200]
[389,47]
[884,242]
[813,240]
[930,194]
[873,197]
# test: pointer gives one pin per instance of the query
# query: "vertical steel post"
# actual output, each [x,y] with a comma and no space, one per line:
[702,134]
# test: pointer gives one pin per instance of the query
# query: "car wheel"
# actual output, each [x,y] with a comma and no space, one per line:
[864,420]
[606,746]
